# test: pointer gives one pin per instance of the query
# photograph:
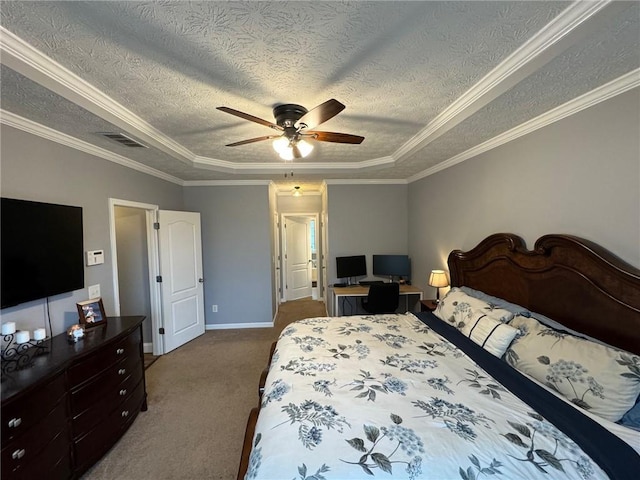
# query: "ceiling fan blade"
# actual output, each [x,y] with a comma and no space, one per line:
[321,113]
[251,118]
[335,137]
[296,151]
[252,140]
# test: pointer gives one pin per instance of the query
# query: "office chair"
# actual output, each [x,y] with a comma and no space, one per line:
[382,298]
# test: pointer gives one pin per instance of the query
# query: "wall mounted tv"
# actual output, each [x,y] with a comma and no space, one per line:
[41,251]
[392,266]
[349,267]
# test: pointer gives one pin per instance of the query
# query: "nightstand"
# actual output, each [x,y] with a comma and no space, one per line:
[428,305]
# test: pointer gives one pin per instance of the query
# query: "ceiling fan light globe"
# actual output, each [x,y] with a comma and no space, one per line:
[281,144]
[287,154]
[304,147]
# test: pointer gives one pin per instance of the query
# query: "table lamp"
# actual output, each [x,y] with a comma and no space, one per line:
[438,279]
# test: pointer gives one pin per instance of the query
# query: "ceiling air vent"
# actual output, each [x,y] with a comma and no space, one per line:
[122,139]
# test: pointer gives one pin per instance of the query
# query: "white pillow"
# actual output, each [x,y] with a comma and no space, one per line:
[456,308]
[601,379]
[492,335]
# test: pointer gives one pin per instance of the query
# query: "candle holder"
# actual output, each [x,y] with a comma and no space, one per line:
[16,356]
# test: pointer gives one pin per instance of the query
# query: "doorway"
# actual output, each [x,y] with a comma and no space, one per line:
[134,263]
[299,259]
[145,241]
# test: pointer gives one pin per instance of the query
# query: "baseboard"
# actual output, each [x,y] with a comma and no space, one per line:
[147,347]
[227,326]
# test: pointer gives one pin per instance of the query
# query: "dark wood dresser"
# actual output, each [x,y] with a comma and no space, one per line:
[63,413]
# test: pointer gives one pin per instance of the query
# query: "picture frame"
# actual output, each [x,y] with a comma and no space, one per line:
[91,313]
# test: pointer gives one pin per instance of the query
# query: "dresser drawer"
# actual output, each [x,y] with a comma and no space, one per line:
[92,403]
[103,358]
[38,471]
[94,391]
[22,413]
[36,451]
[95,443]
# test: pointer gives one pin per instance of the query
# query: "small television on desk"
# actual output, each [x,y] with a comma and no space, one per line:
[392,266]
[349,268]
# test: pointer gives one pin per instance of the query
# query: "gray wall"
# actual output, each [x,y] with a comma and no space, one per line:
[236,252]
[579,176]
[366,220]
[37,169]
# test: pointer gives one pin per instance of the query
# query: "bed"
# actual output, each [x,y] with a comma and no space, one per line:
[526,369]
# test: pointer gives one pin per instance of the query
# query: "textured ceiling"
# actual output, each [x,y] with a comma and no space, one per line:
[426,83]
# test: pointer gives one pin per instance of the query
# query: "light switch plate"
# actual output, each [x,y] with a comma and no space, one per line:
[95,257]
[94,291]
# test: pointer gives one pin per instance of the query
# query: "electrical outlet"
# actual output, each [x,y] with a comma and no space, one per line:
[94,291]
[214,308]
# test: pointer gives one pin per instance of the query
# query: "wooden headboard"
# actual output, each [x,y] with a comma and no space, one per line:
[566,278]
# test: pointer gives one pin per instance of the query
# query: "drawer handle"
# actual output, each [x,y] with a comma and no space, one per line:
[120,351]
[122,371]
[15,422]
[123,392]
[18,454]
[125,413]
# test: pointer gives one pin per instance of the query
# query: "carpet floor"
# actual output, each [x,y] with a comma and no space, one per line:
[199,398]
[149,359]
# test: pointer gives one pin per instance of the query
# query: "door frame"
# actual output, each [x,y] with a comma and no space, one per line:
[283,217]
[324,247]
[151,213]
[277,262]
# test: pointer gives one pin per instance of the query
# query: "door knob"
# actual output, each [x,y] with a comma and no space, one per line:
[201,280]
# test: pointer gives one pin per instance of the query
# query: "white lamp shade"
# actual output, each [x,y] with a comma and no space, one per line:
[438,279]
[284,147]
[287,154]
[304,147]
[281,144]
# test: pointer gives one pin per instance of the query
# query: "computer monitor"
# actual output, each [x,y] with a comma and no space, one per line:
[353,266]
[392,266]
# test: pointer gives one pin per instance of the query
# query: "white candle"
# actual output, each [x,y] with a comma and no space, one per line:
[39,334]
[8,328]
[22,336]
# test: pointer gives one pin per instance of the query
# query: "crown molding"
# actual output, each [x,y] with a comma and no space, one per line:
[32,63]
[605,92]
[285,166]
[537,51]
[347,181]
[226,183]
[305,193]
[29,126]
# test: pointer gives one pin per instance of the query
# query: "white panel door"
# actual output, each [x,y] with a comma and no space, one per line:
[180,246]
[298,254]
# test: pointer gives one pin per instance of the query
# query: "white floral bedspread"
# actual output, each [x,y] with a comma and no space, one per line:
[385,396]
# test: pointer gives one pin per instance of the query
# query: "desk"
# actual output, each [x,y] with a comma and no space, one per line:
[363,291]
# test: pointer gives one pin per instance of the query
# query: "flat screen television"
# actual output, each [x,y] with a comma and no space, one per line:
[41,250]
[392,266]
[349,267]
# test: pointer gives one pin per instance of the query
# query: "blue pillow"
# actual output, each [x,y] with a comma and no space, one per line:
[631,419]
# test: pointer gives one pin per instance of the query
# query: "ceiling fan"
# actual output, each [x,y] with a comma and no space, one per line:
[296,125]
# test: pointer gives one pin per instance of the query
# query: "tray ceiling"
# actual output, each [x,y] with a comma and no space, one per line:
[428,84]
